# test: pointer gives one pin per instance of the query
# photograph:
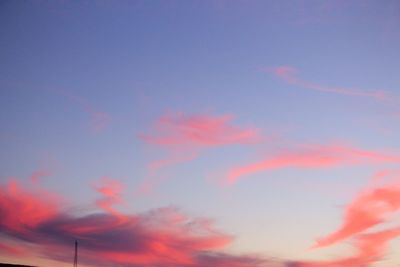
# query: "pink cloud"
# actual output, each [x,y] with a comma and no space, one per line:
[154,176]
[175,158]
[13,250]
[371,208]
[184,136]
[367,210]
[369,249]
[200,131]
[110,190]
[313,157]
[32,208]
[166,236]
[162,237]
[289,75]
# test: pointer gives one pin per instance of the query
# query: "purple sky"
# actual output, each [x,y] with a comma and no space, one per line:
[200,133]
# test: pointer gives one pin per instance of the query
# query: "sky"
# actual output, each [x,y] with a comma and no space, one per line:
[200,133]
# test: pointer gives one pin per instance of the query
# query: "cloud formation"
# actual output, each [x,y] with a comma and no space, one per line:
[372,208]
[367,210]
[313,157]
[178,129]
[289,75]
[369,249]
[162,237]
[13,250]
[166,236]
[183,136]
[110,190]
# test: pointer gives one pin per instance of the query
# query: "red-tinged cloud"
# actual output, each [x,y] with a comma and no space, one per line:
[372,247]
[289,75]
[369,209]
[12,250]
[22,210]
[184,136]
[110,190]
[156,165]
[199,131]
[369,249]
[161,237]
[314,157]
[153,178]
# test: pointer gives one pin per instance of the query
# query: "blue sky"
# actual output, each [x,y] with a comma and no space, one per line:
[236,82]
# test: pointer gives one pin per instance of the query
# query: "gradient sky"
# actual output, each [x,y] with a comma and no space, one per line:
[200,133]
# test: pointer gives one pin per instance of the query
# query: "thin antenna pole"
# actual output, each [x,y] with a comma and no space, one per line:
[76,254]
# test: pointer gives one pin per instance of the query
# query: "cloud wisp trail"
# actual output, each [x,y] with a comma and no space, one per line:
[289,75]
[110,189]
[367,210]
[313,157]
[185,136]
[178,129]
[372,208]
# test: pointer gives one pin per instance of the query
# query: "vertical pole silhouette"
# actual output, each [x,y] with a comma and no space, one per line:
[76,254]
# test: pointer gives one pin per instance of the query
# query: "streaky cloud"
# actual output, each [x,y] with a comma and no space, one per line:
[185,136]
[110,190]
[179,129]
[33,208]
[14,250]
[153,168]
[367,210]
[289,75]
[313,157]
[371,208]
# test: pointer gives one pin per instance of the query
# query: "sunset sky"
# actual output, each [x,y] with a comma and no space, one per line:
[200,133]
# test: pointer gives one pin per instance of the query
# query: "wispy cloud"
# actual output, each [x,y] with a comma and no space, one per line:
[369,249]
[313,157]
[13,250]
[289,75]
[31,210]
[110,189]
[185,136]
[162,237]
[153,175]
[371,208]
[367,210]
[178,129]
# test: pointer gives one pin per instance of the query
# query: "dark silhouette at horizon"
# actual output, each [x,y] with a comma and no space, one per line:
[15,265]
